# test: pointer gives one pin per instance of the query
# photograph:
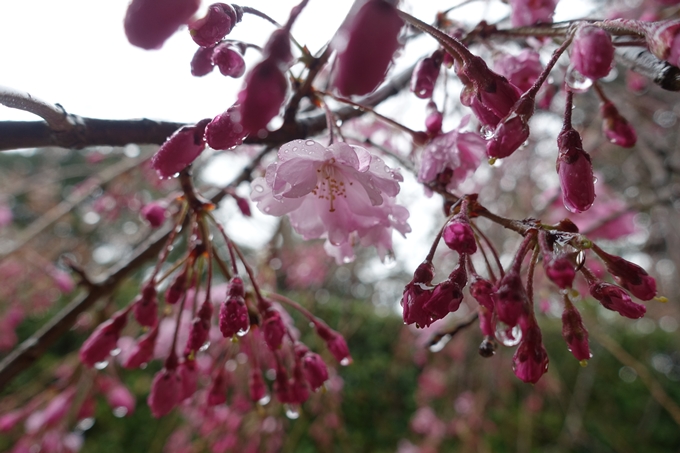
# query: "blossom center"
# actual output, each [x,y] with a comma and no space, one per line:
[330,184]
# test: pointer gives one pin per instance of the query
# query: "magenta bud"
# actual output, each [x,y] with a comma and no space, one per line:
[315,370]
[483,292]
[616,299]
[243,205]
[217,394]
[258,389]
[225,130]
[120,398]
[425,75]
[188,373]
[560,271]
[446,298]
[228,60]
[202,63]
[154,213]
[592,52]
[663,40]
[148,23]
[616,128]
[234,318]
[434,119]
[273,329]
[281,386]
[264,93]
[458,235]
[278,48]
[103,340]
[629,275]
[166,391]
[145,306]
[513,130]
[198,335]
[181,149]
[575,171]
[217,23]
[299,390]
[177,288]
[142,352]
[575,333]
[366,43]
[416,294]
[530,12]
[335,342]
[530,361]
[511,300]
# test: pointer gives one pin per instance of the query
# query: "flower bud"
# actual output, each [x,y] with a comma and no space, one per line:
[575,171]
[202,63]
[217,23]
[434,119]
[616,128]
[188,373]
[217,394]
[366,43]
[425,75]
[558,268]
[261,98]
[103,340]
[228,60]
[458,235]
[181,149]
[483,290]
[225,130]
[530,12]
[142,352]
[663,40]
[446,298]
[278,48]
[335,342]
[148,23]
[513,130]
[511,299]
[121,400]
[273,329]
[281,385]
[299,390]
[234,318]
[258,389]
[416,294]
[166,390]
[177,288]
[154,213]
[631,276]
[530,360]
[574,332]
[145,306]
[315,370]
[592,52]
[616,299]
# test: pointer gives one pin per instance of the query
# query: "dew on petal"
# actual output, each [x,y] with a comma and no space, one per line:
[120,412]
[509,337]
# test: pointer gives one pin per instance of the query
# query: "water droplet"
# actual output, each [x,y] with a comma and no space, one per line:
[390,260]
[310,143]
[115,352]
[583,363]
[580,258]
[508,336]
[258,188]
[492,160]
[267,209]
[487,132]
[577,81]
[101,365]
[594,179]
[347,259]
[346,361]
[120,412]
[205,347]
[242,332]
[292,413]
[85,424]
[439,345]
[295,148]
[264,400]
[387,169]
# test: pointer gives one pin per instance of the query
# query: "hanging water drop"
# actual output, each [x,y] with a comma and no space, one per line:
[346,361]
[508,336]
[292,413]
[120,412]
[242,332]
[577,81]
[205,347]
[264,400]
[440,343]
[101,365]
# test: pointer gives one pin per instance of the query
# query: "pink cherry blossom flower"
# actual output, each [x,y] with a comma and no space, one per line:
[459,152]
[332,193]
[521,70]
[366,43]
[148,23]
[530,12]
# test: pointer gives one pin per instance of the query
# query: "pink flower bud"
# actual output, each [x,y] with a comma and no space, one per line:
[218,389]
[299,391]
[458,235]
[243,205]
[177,288]
[434,119]
[416,294]
[258,389]
[228,60]
[148,23]
[62,279]
[366,43]
[10,419]
[273,329]
[145,306]
[616,128]
[120,399]
[425,75]
[225,130]
[483,290]
[234,318]
[530,12]
[335,342]
[663,40]
[315,369]
[202,63]
[575,171]
[142,352]
[281,386]
[58,407]
[511,299]
[575,333]
[166,390]
[278,48]
[198,335]
[154,213]
[446,298]
[217,23]
[592,52]
[103,340]
[558,268]
[616,299]
[181,149]
[631,276]
[530,361]
[188,372]
[513,130]
[264,93]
